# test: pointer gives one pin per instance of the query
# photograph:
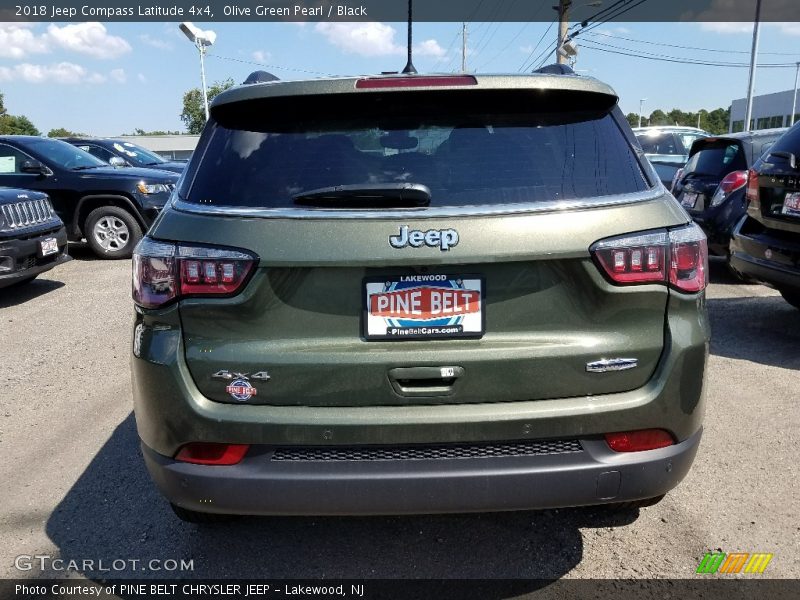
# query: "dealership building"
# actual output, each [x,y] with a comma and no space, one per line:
[172,147]
[769,111]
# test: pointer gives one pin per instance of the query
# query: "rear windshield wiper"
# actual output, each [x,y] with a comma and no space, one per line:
[367,195]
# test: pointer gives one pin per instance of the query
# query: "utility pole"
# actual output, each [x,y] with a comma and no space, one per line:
[794,102]
[463,47]
[641,109]
[563,26]
[753,64]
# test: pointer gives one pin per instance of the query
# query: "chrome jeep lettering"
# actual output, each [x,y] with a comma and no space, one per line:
[443,238]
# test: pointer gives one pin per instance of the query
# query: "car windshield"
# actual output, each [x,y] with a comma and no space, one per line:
[463,158]
[717,159]
[138,156]
[65,155]
[660,143]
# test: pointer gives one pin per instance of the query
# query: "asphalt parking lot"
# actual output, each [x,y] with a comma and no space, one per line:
[74,486]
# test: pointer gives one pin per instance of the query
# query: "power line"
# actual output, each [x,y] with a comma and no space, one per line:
[677,59]
[539,43]
[619,37]
[258,64]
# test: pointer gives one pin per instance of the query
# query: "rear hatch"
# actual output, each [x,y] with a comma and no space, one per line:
[777,178]
[419,246]
[710,161]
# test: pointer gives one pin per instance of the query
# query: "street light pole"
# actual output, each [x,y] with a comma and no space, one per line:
[794,102]
[202,49]
[563,27]
[641,109]
[463,47]
[753,58]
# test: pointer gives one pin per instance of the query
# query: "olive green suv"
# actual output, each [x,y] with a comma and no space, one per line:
[418,294]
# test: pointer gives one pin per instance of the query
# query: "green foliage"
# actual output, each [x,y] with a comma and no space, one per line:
[61,132]
[15,125]
[193,115]
[140,131]
[715,122]
[19,125]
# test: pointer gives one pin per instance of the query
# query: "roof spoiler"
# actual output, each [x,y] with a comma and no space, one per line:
[555,70]
[259,77]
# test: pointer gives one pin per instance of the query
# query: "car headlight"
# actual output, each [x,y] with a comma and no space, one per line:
[152,188]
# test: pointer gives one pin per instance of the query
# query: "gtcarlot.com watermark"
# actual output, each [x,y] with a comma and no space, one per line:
[45,562]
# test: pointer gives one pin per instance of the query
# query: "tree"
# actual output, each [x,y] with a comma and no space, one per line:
[61,132]
[633,119]
[140,131]
[194,115]
[21,125]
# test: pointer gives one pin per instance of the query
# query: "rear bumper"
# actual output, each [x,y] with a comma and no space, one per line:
[21,258]
[260,485]
[766,258]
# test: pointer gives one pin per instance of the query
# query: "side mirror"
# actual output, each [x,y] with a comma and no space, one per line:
[35,167]
[117,161]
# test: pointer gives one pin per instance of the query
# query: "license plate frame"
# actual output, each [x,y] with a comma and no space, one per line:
[384,322]
[48,246]
[791,205]
[689,199]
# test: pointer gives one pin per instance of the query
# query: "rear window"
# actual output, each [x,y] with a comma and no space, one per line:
[661,143]
[717,159]
[482,153]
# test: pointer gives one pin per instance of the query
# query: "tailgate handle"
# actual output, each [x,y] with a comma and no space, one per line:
[425,381]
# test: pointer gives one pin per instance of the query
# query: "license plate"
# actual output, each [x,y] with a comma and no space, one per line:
[48,246]
[688,200]
[791,205]
[422,307]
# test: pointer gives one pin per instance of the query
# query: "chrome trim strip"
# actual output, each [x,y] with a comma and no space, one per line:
[419,213]
[612,364]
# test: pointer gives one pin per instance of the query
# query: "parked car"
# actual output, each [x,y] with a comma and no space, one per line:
[711,187]
[667,148]
[32,237]
[107,206]
[122,153]
[766,242]
[435,295]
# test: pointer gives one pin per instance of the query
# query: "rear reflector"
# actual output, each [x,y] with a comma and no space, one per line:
[207,453]
[678,258]
[637,441]
[411,81]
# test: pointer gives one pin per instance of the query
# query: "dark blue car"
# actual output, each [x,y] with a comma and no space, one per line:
[711,187]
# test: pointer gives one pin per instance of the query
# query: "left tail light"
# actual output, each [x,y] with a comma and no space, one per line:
[163,272]
[678,258]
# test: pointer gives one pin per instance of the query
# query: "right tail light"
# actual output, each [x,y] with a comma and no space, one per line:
[733,181]
[677,258]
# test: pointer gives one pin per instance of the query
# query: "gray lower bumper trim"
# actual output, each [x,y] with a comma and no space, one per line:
[260,486]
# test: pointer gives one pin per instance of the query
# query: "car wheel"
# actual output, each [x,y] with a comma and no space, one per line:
[198,518]
[620,506]
[112,232]
[791,297]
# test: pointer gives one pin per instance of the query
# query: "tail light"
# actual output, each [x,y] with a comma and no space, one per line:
[207,453]
[678,258]
[637,441]
[752,190]
[675,180]
[732,182]
[404,81]
[163,272]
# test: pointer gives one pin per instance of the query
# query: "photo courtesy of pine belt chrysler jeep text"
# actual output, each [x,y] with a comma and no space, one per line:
[418,294]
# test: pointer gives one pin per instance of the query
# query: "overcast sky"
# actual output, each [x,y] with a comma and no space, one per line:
[109,78]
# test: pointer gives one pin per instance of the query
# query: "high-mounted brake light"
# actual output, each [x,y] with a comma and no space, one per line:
[414,81]
[637,441]
[163,272]
[208,453]
[678,258]
[752,189]
[732,182]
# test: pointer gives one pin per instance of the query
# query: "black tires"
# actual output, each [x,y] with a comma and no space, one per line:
[112,232]
[792,297]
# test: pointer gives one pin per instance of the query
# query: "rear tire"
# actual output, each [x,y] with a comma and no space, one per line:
[622,506]
[198,518]
[112,232]
[791,297]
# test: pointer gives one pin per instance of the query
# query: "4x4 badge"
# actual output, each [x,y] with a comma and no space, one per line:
[229,375]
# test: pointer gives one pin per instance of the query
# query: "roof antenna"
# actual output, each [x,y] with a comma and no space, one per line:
[409,68]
